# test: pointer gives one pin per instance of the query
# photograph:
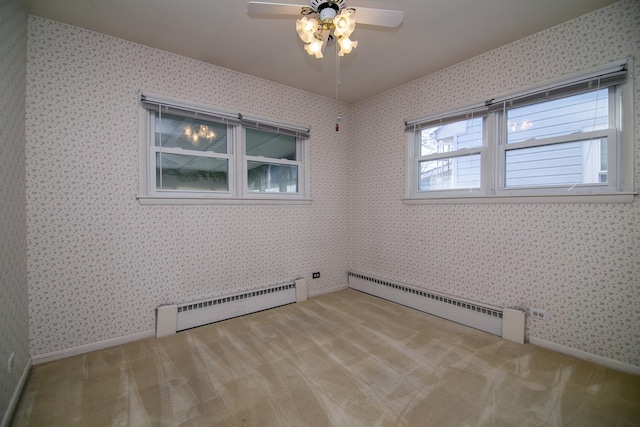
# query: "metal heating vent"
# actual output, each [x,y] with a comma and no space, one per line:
[477,315]
[232,298]
[198,313]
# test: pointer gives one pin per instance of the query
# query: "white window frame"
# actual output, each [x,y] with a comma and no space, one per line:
[620,139]
[243,171]
[152,149]
[416,158]
[237,192]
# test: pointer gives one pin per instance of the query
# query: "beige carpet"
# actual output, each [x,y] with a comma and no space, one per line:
[341,359]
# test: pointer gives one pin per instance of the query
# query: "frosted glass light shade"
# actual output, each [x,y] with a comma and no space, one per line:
[346,45]
[315,48]
[306,29]
[344,24]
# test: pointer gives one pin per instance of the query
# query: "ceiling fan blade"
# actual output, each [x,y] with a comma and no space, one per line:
[379,17]
[275,8]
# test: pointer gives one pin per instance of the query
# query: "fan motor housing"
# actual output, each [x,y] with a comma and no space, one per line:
[319,5]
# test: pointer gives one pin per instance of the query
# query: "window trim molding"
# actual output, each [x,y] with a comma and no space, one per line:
[186,200]
[585,198]
[237,194]
[621,191]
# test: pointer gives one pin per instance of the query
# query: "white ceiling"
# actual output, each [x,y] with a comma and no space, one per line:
[434,35]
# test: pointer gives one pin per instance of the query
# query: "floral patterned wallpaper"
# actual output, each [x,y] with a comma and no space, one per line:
[581,263]
[14,326]
[99,261]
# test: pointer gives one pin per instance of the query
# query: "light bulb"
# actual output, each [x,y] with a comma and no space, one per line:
[346,45]
[315,48]
[344,24]
[306,29]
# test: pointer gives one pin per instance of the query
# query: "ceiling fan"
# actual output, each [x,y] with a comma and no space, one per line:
[325,21]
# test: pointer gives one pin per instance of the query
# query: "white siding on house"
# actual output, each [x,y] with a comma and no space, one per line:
[560,164]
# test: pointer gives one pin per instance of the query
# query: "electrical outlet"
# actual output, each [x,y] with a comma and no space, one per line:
[11,362]
[316,275]
[536,313]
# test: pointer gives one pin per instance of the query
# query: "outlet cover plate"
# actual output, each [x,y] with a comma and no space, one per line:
[536,313]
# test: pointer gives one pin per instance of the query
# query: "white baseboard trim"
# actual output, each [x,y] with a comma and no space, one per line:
[598,360]
[8,415]
[100,345]
[327,291]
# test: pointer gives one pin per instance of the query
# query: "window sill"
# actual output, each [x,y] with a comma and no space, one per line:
[626,197]
[161,200]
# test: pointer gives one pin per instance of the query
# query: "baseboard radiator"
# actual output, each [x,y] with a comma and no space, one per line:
[179,317]
[476,315]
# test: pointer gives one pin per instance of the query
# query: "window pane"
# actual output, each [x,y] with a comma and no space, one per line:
[451,137]
[579,113]
[269,144]
[578,162]
[272,178]
[451,173]
[178,172]
[190,134]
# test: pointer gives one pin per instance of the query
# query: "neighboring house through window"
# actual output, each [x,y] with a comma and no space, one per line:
[551,143]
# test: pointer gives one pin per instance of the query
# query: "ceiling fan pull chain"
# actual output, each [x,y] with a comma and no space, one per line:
[337,86]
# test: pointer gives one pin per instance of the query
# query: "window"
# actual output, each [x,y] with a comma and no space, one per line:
[191,153]
[549,144]
[272,162]
[449,155]
[559,142]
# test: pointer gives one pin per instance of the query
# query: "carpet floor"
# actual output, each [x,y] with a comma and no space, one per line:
[341,359]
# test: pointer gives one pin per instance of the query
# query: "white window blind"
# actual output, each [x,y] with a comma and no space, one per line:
[167,105]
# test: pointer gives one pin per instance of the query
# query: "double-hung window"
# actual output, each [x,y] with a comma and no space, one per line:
[189,154]
[192,153]
[547,144]
[272,161]
[448,153]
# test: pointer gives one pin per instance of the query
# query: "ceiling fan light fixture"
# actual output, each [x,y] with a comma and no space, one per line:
[332,17]
[195,132]
[336,23]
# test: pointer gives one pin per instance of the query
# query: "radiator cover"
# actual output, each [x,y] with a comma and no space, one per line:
[470,313]
[173,318]
[203,312]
